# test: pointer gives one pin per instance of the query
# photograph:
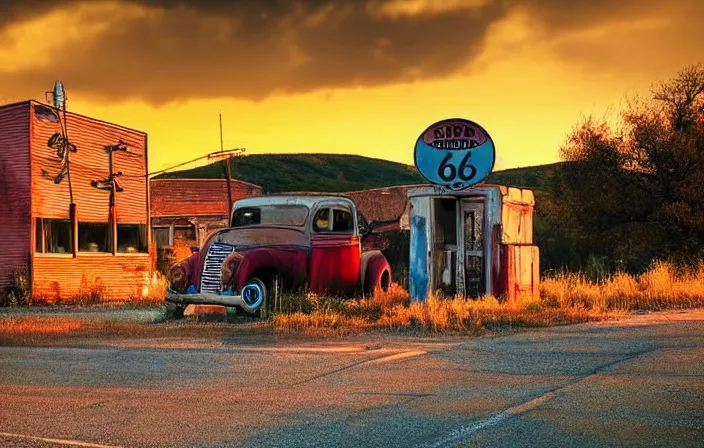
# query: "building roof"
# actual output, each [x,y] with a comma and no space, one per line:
[381,204]
[196,197]
[68,112]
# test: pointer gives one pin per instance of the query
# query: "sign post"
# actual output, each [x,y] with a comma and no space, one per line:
[454,154]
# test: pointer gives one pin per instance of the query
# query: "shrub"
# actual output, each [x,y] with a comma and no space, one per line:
[18,291]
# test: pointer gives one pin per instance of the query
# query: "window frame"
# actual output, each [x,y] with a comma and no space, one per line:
[40,231]
[314,226]
[168,237]
[145,243]
[332,221]
[329,229]
[112,237]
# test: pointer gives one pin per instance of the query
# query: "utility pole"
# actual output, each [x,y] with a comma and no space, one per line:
[228,176]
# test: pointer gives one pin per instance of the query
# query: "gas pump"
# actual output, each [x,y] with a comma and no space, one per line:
[468,239]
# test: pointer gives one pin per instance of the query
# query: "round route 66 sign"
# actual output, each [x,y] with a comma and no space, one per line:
[454,153]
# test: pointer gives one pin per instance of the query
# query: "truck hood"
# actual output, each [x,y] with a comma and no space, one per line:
[244,240]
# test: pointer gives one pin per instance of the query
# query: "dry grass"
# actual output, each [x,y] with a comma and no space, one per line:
[662,287]
[564,299]
[38,325]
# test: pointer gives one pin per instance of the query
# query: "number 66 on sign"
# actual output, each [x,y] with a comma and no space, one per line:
[455,154]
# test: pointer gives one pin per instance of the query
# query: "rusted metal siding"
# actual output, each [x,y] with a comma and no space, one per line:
[15,218]
[522,271]
[196,197]
[89,163]
[62,276]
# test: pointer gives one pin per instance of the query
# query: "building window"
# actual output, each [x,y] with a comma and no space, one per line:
[160,235]
[132,238]
[184,233]
[53,236]
[342,221]
[94,237]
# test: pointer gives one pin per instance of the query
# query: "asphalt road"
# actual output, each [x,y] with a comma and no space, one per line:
[638,382]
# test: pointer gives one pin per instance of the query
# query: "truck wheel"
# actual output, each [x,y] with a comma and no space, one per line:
[385,281]
[253,293]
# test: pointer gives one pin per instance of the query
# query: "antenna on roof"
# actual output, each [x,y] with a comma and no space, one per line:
[228,174]
[58,95]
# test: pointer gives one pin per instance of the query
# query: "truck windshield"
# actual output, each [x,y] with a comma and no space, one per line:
[282,215]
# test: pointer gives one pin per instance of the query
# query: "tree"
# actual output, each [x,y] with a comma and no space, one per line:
[637,192]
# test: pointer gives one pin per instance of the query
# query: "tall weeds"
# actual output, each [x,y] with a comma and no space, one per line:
[564,299]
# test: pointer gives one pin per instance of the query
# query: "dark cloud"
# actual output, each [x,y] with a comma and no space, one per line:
[252,49]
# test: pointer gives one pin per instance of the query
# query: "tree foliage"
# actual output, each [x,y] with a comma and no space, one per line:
[636,192]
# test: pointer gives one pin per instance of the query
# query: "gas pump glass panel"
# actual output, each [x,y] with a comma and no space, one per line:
[472,218]
[455,154]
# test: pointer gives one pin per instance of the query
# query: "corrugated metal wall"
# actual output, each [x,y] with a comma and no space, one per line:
[65,276]
[14,190]
[89,163]
[62,275]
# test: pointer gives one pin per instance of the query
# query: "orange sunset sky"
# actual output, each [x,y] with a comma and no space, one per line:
[359,77]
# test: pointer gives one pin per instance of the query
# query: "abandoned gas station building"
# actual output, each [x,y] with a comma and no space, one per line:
[185,211]
[74,204]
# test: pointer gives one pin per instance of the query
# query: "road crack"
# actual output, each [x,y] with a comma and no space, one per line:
[463,432]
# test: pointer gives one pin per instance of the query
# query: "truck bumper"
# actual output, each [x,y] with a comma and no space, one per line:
[205,299]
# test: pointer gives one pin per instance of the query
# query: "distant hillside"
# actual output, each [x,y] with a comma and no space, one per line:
[340,173]
[310,172]
[537,177]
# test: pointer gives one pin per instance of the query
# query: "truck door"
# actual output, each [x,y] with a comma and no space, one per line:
[335,251]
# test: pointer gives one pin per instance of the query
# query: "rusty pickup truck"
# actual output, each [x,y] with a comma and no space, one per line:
[282,243]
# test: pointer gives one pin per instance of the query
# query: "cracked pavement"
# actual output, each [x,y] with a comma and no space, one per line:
[633,382]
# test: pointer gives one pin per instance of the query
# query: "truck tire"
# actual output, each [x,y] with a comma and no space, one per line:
[378,276]
[253,294]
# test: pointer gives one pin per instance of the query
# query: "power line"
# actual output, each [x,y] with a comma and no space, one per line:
[211,155]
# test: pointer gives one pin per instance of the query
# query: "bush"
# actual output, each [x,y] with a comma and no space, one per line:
[18,291]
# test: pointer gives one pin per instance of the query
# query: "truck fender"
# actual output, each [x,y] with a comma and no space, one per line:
[373,267]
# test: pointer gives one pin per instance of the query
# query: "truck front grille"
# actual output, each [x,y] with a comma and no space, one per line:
[212,267]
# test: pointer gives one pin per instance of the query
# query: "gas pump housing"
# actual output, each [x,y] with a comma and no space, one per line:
[472,242]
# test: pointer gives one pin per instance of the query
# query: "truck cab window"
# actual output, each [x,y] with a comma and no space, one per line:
[247,217]
[321,220]
[342,221]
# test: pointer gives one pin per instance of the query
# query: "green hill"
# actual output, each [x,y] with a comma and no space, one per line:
[340,173]
[537,177]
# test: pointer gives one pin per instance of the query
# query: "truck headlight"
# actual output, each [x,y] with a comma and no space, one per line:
[179,278]
[230,267]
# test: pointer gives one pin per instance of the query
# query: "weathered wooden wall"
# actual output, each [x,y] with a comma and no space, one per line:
[14,190]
